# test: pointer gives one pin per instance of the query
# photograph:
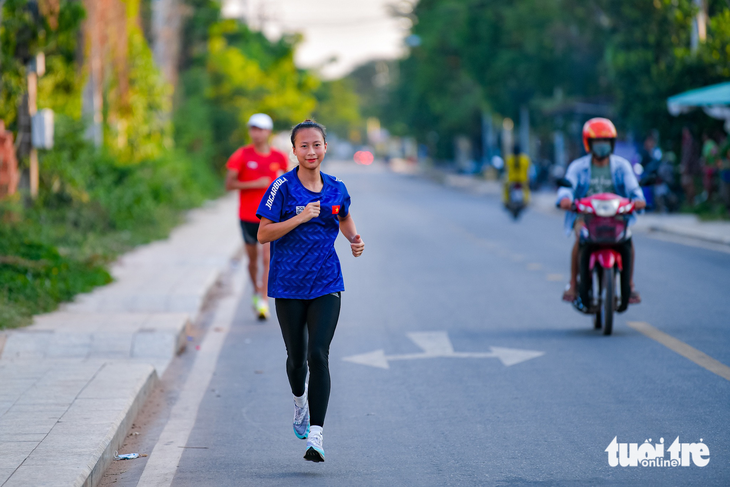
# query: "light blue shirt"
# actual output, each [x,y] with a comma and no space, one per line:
[579,175]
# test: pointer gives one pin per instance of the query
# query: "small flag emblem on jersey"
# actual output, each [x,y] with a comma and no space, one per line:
[336,209]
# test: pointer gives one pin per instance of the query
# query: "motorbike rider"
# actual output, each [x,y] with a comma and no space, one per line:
[600,171]
[518,167]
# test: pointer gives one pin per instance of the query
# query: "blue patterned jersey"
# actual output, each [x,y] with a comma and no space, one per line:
[304,264]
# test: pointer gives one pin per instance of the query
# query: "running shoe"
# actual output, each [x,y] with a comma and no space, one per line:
[315,451]
[262,309]
[301,420]
[255,301]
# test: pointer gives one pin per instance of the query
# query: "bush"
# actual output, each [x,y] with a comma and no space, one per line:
[91,208]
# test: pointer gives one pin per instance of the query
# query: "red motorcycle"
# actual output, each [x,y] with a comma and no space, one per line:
[604,237]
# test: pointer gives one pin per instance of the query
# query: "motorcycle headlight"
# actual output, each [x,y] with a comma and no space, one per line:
[605,208]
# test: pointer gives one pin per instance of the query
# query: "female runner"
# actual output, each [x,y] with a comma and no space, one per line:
[301,215]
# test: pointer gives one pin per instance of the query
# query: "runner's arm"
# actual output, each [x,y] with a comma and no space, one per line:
[270,231]
[348,229]
[232,182]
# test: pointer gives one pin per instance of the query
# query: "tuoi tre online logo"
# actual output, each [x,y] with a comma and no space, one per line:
[648,455]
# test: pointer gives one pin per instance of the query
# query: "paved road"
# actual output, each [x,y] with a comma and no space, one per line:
[451,269]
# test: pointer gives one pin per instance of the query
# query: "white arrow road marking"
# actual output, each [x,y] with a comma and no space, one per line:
[438,345]
[432,342]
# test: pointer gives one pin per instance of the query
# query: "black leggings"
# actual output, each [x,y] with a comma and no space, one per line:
[308,326]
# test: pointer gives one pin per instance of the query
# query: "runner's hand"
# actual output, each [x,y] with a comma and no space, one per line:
[639,204]
[310,211]
[357,246]
[263,182]
[565,204]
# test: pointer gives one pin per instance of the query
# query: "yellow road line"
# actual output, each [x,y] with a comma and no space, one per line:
[686,351]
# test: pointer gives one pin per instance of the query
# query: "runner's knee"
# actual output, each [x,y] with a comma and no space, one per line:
[295,362]
[318,359]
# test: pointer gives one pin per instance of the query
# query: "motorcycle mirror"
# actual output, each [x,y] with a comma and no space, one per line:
[563,183]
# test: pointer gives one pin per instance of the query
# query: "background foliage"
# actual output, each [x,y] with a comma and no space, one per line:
[164,147]
[472,56]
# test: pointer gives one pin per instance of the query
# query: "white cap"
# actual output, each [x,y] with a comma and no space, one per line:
[261,120]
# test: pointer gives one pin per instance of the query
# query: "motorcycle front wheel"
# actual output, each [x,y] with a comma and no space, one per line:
[597,292]
[609,287]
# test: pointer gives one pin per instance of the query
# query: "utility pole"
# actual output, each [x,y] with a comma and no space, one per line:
[699,25]
[166,28]
[2,2]
[32,108]
[525,130]
[488,137]
[91,96]
[36,68]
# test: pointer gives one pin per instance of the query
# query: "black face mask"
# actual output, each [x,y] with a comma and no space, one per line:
[601,149]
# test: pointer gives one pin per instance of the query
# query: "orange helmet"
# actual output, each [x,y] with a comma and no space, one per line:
[597,128]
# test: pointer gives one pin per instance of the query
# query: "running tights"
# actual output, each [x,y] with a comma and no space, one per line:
[308,326]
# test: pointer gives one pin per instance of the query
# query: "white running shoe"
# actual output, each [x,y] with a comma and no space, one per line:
[315,450]
[301,419]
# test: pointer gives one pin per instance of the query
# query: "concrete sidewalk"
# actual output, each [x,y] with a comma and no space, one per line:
[682,225]
[72,383]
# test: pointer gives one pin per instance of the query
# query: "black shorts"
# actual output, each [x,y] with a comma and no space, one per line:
[250,231]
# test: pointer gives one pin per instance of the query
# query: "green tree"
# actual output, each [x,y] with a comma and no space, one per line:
[475,55]
[338,107]
[24,32]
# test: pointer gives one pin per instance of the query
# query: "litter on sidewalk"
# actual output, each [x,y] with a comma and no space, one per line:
[125,456]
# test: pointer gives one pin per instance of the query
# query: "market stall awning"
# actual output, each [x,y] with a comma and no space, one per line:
[709,98]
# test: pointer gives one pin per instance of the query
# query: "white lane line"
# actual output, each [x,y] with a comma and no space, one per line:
[686,351]
[165,457]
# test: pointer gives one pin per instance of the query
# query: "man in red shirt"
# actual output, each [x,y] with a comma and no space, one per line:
[251,169]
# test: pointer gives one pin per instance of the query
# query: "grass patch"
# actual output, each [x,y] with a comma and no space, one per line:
[91,208]
[709,211]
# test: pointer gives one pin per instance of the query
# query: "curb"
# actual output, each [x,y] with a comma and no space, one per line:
[687,233]
[117,435]
[81,444]
[144,336]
